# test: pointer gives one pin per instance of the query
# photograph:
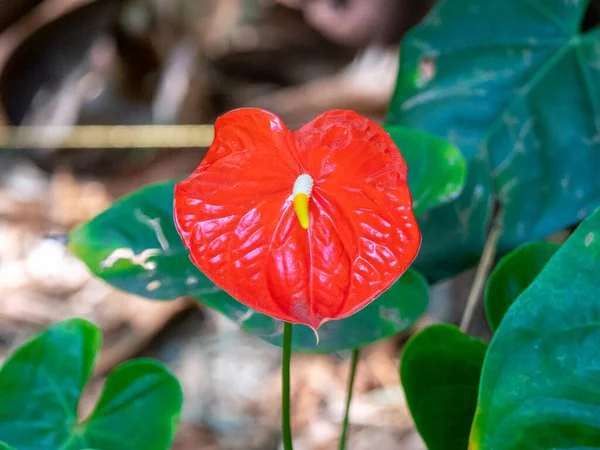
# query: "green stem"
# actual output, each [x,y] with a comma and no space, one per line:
[353,364]
[286,429]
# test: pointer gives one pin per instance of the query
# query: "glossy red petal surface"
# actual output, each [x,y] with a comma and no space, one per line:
[236,216]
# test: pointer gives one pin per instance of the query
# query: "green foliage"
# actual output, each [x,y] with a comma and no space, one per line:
[513,274]
[436,168]
[440,370]
[135,247]
[515,86]
[41,384]
[392,312]
[540,386]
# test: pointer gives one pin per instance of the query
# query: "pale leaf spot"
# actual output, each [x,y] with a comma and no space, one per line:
[129,254]
[153,285]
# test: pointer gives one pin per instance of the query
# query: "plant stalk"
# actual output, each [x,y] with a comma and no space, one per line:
[286,429]
[353,364]
[487,259]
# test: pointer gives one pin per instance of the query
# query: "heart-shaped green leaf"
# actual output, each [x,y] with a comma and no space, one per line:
[513,274]
[135,247]
[41,384]
[540,385]
[394,311]
[515,86]
[436,168]
[440,369]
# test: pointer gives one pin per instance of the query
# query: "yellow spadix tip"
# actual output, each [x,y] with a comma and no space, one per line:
[301,207]
[301,194]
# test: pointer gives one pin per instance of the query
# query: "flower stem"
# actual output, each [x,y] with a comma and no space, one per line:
[286,429]
[353,364]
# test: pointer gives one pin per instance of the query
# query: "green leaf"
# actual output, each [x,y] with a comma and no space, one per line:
[540,386]
[4,446]
[141,225]
[440,369]
[394,311]
[513,274]
[516,87]
[436,168]
[134,246]
[41,384]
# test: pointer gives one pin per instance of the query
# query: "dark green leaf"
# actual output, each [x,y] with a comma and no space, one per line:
[515,86]
[540,386]
[143,221]
[41,384]
[4,446]
[513,274]
[440,370]
[392,312]
[135,247]
[436,168]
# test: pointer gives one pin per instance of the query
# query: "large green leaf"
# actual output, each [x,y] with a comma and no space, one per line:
[540,386]
[41,384]
[436,168]
[440,369]
[135,247]
[516,87]
[395,310]
[4,446]
[513,274]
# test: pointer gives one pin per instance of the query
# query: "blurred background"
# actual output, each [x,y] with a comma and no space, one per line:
[166,62]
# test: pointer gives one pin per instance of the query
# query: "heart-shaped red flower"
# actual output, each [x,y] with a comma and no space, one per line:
[304,226]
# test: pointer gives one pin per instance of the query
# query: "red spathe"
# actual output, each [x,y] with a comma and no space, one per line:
[235,214]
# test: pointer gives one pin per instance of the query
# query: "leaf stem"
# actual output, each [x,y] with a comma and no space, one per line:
[353,364]
[286,429]
[485,263]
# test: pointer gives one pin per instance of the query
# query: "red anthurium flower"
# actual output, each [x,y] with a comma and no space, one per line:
[304,226]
